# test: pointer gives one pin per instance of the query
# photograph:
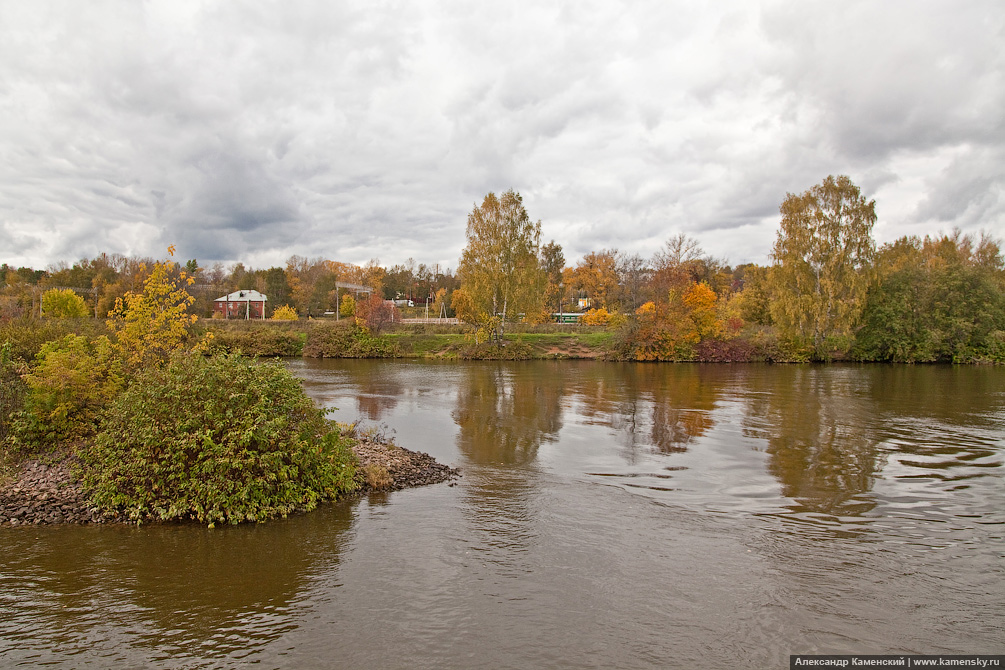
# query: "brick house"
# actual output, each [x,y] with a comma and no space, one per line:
[246,304]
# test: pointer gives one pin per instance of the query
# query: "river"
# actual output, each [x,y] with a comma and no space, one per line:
[609,515]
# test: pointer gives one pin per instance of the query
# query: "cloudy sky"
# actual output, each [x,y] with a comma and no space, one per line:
[253,131]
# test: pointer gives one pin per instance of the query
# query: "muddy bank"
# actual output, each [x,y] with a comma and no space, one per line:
[43,493]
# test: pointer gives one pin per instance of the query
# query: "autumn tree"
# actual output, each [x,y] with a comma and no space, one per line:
[374,313]
[63,304]
[552,263]
[937,299]
[347,306]
[675,265]
[596,277]
[151,324]
[822,257]
[499,269]
[753,300]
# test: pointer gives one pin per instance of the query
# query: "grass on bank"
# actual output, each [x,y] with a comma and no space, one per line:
[343,339]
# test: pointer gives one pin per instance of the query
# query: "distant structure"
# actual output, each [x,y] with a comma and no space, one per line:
[247,304]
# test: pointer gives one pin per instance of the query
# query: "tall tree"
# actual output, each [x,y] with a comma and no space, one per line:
[275,287]
[596,277]
[938,299]
[553,262]
[676,266]
[822,257]
[633,278]
[499,269]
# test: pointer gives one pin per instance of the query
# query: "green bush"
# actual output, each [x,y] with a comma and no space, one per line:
[26,335]
[217,439]
[74,379]
[265,341]
[12,390]
[346,339]
[64,304]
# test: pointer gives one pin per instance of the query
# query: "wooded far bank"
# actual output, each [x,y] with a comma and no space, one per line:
[829,293]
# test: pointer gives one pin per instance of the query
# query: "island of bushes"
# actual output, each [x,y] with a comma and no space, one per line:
[150,420]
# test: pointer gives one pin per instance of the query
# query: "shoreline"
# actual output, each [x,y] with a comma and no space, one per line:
[44,493]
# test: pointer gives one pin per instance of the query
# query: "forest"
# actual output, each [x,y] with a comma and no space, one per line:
[829,292]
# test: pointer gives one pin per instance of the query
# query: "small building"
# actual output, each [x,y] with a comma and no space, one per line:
[246,304]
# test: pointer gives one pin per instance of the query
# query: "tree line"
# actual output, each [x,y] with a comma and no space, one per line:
[828,293]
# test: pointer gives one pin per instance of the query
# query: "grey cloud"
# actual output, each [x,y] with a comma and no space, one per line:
[970,191]
[261,130]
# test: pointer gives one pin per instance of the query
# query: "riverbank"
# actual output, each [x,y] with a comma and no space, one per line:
[426,341]
[47,492]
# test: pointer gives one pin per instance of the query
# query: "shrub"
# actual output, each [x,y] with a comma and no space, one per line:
[725,351]
[347,339]
[377,477]
[596,317]
[217,439]
[64,304]
[284,313]
[263,341]
[74,379]
[12,389]
[26,335]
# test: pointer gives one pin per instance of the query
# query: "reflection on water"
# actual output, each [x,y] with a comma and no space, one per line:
[621,515]
[819,430]
[666,407]
[504,414]
[171,594]
[826,435]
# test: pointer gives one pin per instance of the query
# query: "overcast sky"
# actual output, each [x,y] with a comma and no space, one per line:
[251,131]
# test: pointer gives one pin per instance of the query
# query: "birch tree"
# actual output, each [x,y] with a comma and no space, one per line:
[499,270]
[822,258]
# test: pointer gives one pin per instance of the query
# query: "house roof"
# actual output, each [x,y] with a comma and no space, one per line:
[243,296]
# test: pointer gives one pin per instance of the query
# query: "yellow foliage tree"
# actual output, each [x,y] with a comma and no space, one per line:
[596,276]
[348,306]
[150,325]
[285,313]
[500,271]
[439,302]
[823,256]
[699,300]
[63,304]
[596,317]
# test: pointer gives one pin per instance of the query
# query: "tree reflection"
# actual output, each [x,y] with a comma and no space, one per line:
[505,412]
[817,425]
[663,407]
[376,394]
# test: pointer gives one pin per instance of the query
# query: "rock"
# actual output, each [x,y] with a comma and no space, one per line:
[406,468]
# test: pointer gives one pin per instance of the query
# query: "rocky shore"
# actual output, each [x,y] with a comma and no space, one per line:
[43,493]
[404,468]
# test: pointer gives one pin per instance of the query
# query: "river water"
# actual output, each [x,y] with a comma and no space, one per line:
[609,515]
